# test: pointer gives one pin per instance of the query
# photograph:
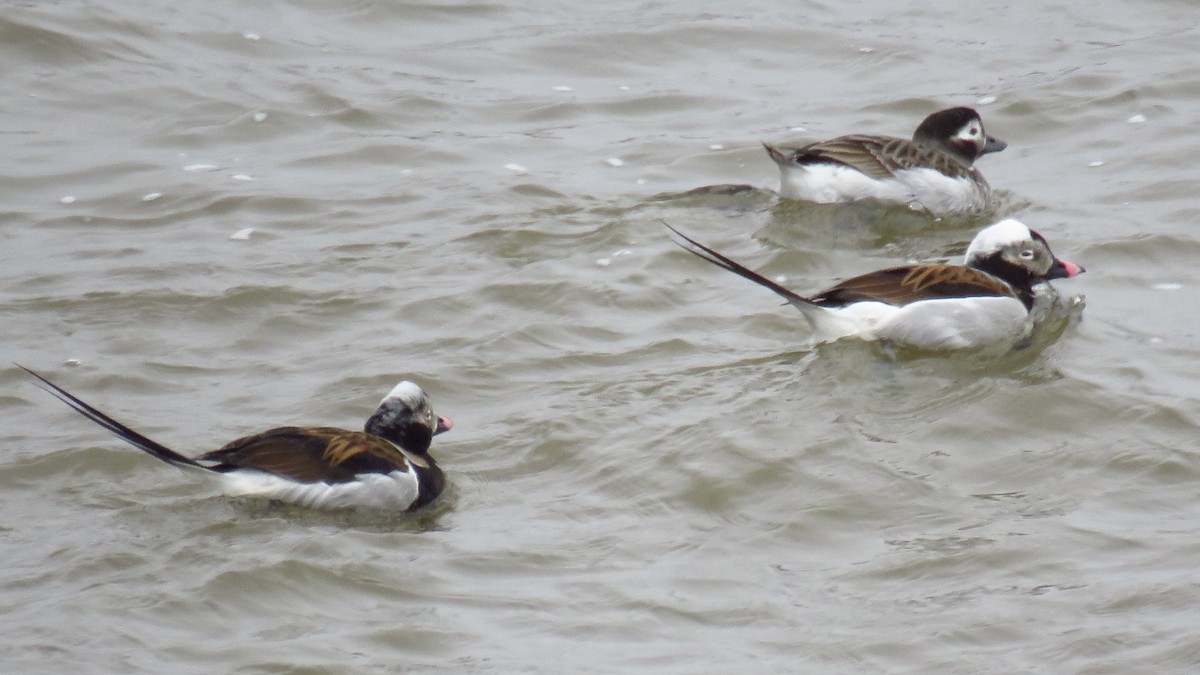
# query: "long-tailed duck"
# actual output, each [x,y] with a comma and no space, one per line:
[934,171]
[985,301]
[386,465]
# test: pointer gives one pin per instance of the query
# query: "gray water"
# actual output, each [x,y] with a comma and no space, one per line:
[649,471]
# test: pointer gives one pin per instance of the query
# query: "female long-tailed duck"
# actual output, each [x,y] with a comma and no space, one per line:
[985,301]
[934,171]
[386,465]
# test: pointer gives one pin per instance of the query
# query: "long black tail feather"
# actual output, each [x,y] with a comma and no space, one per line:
[700,250]
[126,434]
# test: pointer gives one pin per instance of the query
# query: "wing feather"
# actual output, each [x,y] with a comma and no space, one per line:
[900,286]
[310,454]
[879,157]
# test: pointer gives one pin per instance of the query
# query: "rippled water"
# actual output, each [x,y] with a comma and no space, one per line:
[649,471]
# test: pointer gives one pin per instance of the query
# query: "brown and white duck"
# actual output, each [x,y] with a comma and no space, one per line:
[387,465]
[985,301]
[934,171]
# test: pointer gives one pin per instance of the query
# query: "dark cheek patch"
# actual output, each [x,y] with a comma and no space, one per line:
[415,437]
[964,147]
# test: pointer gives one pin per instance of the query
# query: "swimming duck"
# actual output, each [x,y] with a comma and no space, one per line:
[934,171]
[986,300]
[386,465]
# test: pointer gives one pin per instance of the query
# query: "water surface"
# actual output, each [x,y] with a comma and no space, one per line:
[650,472]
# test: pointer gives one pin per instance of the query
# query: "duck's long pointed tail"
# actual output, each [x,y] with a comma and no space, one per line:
[807,307]
[126,434]
[777,155]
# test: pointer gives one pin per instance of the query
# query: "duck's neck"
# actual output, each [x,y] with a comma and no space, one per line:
[431,481]
[1017,279]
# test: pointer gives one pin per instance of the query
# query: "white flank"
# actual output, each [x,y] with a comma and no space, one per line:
[933,190]
[940,193]
[393,491]
[832,183]
[958,323]
[940,324]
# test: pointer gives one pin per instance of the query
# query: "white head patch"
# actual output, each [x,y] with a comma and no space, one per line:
[995,237]
[972,131]
[406,392]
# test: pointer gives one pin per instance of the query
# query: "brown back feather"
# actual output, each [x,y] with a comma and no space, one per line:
[880,157]
[310,454]
[900,286]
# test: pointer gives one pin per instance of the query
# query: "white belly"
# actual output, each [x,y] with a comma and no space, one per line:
[394,491]
[939,193]
[944,324]
[832,183]
[958,323]
[920,188]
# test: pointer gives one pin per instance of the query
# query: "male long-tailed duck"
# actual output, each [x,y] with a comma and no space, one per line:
[934,171]
[386,465]
[985,301]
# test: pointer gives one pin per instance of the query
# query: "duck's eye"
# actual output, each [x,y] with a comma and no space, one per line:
[1027,254]
[428,414]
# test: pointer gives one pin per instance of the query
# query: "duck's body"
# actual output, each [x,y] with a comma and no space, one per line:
[934,307]
[387,465]
[934,323]
[933,171]
[327,467]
